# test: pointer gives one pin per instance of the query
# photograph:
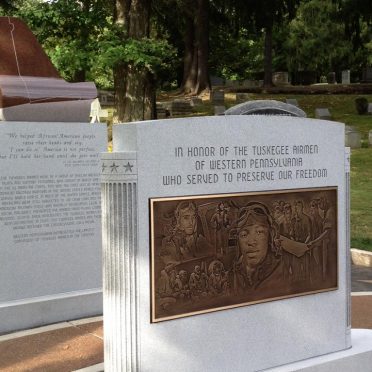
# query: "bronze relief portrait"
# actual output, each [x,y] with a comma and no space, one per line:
[216,252]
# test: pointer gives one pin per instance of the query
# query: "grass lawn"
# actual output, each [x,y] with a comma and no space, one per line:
[361,199]
[342,108]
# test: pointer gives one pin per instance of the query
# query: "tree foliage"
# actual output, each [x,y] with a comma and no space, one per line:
[68,31]
[355,15]
[316,41]
[152,54]
[265,16]
[7,6]
[83,41]
[182,42]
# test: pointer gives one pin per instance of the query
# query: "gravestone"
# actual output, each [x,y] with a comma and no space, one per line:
[50,222]
[232,83]
[280,78]
[265,107]
[369,109]
[181,107]
[31,89]
[322,113]
[183,288]
[367,75]
[96,112]
[370,138]
[219,110]
[217,81]
[331,78]
[304,77]
[196,102]
[346,77]
[162,110]
[292,101]
[217,97]
[248,83]
[353,138]
[106,97]
[242,97]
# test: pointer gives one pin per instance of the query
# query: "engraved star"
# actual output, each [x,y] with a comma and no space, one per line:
[114,167]
[128,167]
[104,166]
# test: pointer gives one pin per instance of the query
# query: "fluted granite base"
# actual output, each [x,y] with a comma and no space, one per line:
[119,227]
[248,338]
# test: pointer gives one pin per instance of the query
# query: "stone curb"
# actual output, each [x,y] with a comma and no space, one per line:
[96,368]
[361,258]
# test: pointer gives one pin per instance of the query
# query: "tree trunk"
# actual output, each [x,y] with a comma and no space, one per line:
[79,76]
[268,57]
[122,8]
[139,97]
[134,86]
[189,52]
[202,36]
[196,76]
[120,75]
[192,73]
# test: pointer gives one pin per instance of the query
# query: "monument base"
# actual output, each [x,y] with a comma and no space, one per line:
[357,359]
[64,111]
[34,312]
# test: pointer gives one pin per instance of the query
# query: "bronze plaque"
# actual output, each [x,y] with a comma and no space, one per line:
[216,252]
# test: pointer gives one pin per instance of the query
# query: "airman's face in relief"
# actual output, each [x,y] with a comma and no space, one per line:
[254,243]
[187,221]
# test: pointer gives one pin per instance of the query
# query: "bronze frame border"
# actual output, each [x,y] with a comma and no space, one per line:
[224,195]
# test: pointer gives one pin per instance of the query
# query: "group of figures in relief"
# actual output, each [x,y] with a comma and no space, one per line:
[216,252]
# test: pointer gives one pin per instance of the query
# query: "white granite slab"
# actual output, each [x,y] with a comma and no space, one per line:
[248,338]
[50,222]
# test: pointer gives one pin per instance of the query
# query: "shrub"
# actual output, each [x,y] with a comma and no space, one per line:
[361,105]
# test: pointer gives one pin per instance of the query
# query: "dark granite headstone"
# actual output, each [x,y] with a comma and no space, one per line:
[217,81]
[242,97]
[106,97]
[304,78]
[265,107]
[219,110]
[196,101]
[331,78]
[292,101]
[181,107]
[162,111]
[232,83]
[217,97]
[367,75]
[249,83]
[322,113]
[280,78]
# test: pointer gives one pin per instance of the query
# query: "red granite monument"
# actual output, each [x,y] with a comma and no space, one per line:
[31,88]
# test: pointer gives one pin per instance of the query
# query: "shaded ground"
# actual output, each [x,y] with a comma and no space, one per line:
[61,350]
[361,280]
